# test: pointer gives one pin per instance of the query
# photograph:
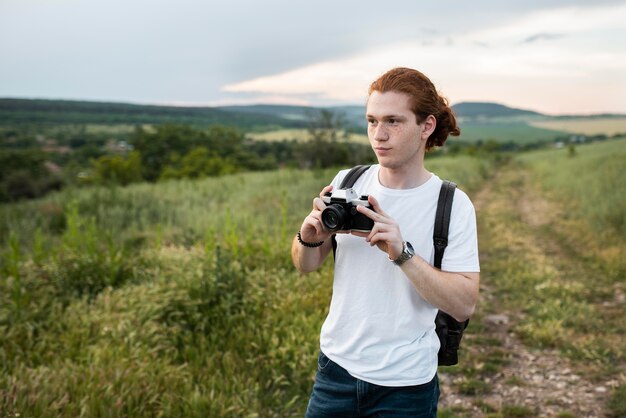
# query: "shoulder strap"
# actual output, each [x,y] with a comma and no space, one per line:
[353,175]
[347,182]
[442,220]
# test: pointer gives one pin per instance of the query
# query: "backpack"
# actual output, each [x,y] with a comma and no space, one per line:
[448,329]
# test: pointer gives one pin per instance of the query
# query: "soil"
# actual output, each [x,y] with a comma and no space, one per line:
[540,380]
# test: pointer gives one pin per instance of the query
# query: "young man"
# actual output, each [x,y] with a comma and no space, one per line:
[378,344]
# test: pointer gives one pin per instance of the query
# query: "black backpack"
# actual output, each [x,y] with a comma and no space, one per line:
[448,329]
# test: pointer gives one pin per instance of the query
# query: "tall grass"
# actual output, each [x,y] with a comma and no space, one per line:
[589,182]
[169,299]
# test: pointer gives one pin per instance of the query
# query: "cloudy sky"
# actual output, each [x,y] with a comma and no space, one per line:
[553,56]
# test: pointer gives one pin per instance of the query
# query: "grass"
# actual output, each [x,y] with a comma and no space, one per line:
[514,132]
[179,298]
[590,182]
[170,299]
[617,404]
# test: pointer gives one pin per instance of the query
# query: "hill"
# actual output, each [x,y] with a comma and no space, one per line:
[478,120]
[38,111]
[485,110]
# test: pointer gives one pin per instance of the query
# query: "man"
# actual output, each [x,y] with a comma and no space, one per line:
[378,344]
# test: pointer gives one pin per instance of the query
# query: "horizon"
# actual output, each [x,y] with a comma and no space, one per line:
[201,106]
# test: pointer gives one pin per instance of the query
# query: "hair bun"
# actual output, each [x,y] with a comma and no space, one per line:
[446,125]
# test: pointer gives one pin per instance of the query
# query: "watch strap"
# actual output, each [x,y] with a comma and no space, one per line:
[407,254]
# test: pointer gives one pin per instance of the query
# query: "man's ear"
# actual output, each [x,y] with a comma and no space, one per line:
[428,127]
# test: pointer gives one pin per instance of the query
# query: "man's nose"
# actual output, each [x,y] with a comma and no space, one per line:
[380,133]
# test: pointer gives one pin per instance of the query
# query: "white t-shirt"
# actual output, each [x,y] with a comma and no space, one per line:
[378,327]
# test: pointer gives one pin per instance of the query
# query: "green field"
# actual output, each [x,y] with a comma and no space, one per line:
[302,135]
[513,132]
[585,126]
[179,298]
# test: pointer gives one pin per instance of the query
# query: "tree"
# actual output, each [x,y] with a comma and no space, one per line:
[158,148]
[115,169]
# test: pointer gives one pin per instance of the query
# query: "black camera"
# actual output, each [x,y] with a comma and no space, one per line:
[341,214]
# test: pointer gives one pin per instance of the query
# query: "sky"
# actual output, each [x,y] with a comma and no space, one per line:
[551,56]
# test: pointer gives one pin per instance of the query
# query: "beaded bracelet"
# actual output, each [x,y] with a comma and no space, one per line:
[308,244]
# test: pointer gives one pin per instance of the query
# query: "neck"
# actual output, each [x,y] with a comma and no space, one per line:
[403,178]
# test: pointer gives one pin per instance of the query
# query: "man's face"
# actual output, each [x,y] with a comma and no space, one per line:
[393,131]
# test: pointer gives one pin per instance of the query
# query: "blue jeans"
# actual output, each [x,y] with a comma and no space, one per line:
[336,393]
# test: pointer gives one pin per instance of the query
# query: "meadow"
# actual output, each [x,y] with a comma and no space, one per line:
[169,299]
[302,135]
[179,298]
[585,126]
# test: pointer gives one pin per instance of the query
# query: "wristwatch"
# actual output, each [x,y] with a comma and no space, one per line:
[407,253]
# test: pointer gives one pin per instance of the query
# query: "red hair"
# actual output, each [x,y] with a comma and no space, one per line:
[425,101]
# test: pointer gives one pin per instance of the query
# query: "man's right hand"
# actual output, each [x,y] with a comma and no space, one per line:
[312,229]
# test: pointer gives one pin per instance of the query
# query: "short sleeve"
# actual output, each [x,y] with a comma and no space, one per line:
[461,255]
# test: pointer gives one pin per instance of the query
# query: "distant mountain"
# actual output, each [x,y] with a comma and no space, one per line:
[51,112]
[38,111]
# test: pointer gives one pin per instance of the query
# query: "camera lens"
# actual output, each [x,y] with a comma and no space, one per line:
[333,217]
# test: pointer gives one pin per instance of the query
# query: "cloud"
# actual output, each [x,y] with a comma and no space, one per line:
[542,37]
[561,21]
[487,64]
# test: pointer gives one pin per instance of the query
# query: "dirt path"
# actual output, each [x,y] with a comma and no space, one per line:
[523,381]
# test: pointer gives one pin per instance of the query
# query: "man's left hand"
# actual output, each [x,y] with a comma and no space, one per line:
[386,232]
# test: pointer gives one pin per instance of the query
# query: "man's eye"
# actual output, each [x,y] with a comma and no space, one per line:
[371,121]
[392,121]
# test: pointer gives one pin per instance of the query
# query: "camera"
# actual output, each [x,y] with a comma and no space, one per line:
[341,214]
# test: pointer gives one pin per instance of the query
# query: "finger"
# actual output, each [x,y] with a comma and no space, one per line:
[326,190]
[360,234]
[381,237]
[376,217]
[318,200]
[376,230]
[312,225]
[318,204]
[376,206]
[316,221]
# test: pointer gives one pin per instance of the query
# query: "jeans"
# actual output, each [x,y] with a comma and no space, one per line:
[338,394]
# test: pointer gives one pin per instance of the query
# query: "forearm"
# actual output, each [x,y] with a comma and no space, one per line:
[307,259]
[453,293]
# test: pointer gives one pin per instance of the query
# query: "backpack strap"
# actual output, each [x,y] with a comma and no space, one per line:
[347,182]
[353,175]
[448,329]
[442,220]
